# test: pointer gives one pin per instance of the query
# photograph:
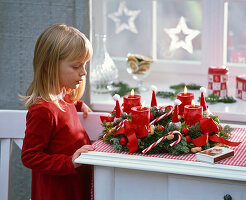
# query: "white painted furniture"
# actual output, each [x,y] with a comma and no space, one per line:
[130,177]
[12,129]
[120,177]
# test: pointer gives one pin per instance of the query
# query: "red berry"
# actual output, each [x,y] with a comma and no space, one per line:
[185,130]
[188,139]
[160,127]
[123,141]
[151,116]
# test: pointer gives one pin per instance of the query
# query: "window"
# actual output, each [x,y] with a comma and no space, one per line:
[203,32]
[141,26]
[236,46]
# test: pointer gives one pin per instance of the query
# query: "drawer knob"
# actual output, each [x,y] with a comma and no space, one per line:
[227,197]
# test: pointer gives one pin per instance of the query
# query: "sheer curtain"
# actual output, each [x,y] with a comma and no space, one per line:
[21,22]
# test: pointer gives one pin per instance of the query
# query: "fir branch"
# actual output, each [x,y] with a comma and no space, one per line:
[214,98]
[122,89]
[181,86]
[178,88]
[116,144]
[165,94]
[195,131]
[180,148]
[227,99]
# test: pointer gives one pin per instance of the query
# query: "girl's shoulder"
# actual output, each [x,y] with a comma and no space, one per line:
[44,107]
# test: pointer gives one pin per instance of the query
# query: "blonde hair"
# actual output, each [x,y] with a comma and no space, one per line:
[56,43]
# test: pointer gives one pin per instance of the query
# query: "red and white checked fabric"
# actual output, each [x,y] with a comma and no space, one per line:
[217,84]
[239,158]
[241,87]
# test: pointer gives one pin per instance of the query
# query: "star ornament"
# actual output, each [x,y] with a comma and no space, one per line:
[181,36]
[123,12]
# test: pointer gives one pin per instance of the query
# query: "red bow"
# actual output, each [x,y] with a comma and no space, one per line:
[209,126]
[127,129]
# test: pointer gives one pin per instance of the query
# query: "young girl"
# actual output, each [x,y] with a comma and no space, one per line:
[54,136]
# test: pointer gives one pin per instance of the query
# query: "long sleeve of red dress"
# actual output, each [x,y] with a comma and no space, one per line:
[51,138]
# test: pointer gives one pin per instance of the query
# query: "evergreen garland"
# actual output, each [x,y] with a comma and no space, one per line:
[214,98]
[165,94]
[177,88]
[121,89]
[181,86]
[183,147]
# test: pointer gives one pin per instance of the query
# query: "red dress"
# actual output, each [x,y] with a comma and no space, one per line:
[51,138]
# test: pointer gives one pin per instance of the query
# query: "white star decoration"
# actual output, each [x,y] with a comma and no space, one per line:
[130,14]
[181,29]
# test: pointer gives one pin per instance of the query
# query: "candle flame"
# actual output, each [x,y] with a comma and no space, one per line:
[143,105]
[192,103]
[132,92]
[185,89]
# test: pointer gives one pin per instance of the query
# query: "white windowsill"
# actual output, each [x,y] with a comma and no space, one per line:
[233,112]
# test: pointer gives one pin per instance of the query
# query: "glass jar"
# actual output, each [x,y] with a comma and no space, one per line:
[103,71]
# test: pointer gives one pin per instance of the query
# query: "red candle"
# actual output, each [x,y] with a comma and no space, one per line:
[192,114]
[185,98]
[140,120]
[131,100]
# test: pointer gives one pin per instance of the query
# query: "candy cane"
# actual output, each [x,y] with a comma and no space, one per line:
[178,140]
[117,127]
[162,139]
[162,116]
[154,144]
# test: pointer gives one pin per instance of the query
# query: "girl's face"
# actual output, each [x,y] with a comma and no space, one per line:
[71,73]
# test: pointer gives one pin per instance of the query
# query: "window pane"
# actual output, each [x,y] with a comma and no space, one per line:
[129,27]
[236,32]
[178,30]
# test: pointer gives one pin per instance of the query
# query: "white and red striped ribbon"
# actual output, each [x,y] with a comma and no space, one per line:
[162,116]
[162,139]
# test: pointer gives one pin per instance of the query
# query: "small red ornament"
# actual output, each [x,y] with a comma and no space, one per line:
[151,116]
[188,139]
[185,130]
[123,141]
[160,127]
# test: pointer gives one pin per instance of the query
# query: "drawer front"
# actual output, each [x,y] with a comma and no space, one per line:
[194,188]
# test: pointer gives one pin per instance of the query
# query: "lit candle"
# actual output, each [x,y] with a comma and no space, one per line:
[140,120]
[192,114]
[131,100]
[185,98]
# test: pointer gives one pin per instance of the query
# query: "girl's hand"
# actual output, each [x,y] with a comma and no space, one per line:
[85,109]
[83,149]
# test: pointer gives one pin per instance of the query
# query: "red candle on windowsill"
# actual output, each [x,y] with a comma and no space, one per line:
[131,100]
[185,98]
[140,120]
[192,114]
